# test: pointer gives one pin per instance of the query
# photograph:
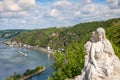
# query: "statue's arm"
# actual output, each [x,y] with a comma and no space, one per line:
[108,48]
[87,47]
[93,55]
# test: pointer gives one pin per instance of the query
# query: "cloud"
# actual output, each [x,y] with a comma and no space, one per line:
[54,12]
[88,1]
[113,3]
[16,5]
[89,8]
[14,12]
[26,4]
[32,14]
[62,3]
[1,7]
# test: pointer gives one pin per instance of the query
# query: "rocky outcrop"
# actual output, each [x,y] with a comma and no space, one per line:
[101,63]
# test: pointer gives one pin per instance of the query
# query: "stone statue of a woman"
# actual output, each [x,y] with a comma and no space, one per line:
[100,60]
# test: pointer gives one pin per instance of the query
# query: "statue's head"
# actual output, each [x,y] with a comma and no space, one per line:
[100,33]
[93,37]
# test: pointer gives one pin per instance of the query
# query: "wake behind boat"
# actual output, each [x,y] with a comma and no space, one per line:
[22,53]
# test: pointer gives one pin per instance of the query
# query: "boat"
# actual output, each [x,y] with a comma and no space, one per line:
[22,53]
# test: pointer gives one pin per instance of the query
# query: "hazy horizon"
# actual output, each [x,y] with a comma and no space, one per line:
[50,27]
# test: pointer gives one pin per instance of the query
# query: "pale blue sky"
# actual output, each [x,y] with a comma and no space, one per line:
[37,14]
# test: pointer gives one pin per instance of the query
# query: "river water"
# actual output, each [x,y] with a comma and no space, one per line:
[12,61]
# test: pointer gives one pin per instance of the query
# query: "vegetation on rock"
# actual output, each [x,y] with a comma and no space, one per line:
[27,74]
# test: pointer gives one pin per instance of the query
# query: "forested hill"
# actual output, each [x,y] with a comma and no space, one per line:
[59,38]
[7,34]
[70,62]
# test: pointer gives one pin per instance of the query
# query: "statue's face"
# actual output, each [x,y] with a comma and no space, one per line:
[93,37]
[100,36]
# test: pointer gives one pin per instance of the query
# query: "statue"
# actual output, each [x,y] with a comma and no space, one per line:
[101,63]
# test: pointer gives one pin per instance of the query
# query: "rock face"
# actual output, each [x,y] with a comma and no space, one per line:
[101,63]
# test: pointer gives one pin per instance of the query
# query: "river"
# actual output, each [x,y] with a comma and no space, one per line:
[12,61]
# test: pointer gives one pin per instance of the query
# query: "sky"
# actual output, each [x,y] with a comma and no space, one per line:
[37,14]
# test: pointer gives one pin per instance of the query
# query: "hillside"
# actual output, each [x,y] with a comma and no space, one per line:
[53,37]
[59,38]
[71,42]
[7,34]
[69,63]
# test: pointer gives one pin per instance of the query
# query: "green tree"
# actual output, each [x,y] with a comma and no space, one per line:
[68,63]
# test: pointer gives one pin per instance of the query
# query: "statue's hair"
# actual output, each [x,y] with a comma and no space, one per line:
[107,45]
[101,30]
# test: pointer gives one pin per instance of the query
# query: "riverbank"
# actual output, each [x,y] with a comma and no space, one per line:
[12,61]
[21,45]
[31,75]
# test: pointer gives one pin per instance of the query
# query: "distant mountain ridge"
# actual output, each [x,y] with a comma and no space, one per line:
[7,34]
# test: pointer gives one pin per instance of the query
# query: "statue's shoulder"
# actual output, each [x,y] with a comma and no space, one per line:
[87,44]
